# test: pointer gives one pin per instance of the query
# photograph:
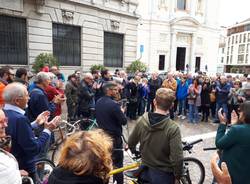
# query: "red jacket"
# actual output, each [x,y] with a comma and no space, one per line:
[51,93]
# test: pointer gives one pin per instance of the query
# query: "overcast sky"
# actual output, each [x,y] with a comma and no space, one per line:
[232,11]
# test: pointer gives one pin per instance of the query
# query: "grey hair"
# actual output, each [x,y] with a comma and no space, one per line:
[51,75]
[12,91]
[41,76]
[87,75]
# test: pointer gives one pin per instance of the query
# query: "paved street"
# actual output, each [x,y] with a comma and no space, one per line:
[193,132]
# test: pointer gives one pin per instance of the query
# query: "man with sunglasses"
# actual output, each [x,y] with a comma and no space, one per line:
[110,117]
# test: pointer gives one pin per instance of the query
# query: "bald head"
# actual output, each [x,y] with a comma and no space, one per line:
[13,91]
[223,79]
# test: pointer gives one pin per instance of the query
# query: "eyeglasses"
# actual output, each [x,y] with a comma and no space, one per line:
[4,120]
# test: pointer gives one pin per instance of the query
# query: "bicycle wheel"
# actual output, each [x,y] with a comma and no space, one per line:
[194,171]
[44,167]
[56,153]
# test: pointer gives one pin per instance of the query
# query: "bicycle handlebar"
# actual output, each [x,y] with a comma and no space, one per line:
[209,149]
[195,142]
[188,146]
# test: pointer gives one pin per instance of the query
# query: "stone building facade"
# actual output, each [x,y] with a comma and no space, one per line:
[179,34]
[79,33]
[237,48]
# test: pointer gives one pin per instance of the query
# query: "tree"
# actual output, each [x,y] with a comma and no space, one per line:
[44,59]
[97,67]
[136,66]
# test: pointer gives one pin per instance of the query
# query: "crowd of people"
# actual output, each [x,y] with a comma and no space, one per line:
[32,106]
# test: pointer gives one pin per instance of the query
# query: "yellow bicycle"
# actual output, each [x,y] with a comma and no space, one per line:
[194,171]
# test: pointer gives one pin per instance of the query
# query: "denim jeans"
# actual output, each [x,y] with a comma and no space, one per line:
[182,107]
[218,107]
[154,176]
[150,105]
[141,106]
[193,113]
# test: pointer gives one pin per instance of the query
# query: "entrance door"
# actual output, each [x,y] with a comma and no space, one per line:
[161,62]
[197,64]
[180,58]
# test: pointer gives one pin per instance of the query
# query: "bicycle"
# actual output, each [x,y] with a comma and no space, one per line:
[190,167]
[44,167]
[27,180]
[66,129]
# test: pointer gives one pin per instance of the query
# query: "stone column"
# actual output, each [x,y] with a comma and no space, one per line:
[173,49]
[172,4]
[192,53]
[206,12]
[193,7]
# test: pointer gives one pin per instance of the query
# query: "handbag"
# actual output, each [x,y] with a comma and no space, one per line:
[212,97]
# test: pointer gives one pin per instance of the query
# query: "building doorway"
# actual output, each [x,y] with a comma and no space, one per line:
[180,58]
[197,64]
[161,62]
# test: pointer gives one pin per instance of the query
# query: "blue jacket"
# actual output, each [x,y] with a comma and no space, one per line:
[143,91]
[25,147]
[222,92]
[109,116]
[39,103]
[182,91]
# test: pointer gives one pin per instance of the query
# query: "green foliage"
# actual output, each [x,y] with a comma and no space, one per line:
[44,59]
[97,67]
[136,66]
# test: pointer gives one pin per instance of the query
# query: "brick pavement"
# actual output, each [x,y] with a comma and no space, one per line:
[188,129]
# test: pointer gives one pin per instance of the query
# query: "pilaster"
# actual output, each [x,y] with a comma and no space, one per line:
[192,54]
[173,50]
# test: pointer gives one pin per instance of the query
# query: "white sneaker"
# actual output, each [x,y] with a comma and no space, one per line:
[179,116]
[183,117]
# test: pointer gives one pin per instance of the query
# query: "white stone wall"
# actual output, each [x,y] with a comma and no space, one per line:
[93,16]
[162,17]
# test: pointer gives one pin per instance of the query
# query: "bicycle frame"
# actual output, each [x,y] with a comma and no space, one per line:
[125,168]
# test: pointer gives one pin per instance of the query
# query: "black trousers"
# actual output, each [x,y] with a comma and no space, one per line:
[213,109]
[117,158]
[132,110]
[205,111]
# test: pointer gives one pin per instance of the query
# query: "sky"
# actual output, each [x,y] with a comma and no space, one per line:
[232,11]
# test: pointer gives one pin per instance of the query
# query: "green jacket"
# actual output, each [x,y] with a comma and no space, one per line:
[160,144]
[235,145]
